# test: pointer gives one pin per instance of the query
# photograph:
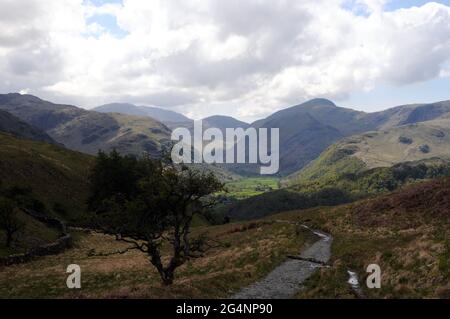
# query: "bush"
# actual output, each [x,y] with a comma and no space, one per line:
[425,149]
[405,140]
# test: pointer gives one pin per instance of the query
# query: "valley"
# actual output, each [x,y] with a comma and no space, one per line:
[244,158]
[250,186]
[378,185]
[408,239]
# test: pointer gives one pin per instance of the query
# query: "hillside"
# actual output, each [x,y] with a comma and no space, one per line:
[241,253]
[32,235]
[406,233]
[37,112]
[13,125]
[334,189]
[401,232]
[360,153]
[57,176]
[306,130]
[88,131]
[127,134]
[159,114]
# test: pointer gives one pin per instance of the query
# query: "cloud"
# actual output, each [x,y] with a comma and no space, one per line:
[245,58]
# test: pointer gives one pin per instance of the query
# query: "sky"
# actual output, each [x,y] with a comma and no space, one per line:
[245,59]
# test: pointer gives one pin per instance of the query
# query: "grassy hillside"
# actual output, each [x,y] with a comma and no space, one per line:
[306,130]
[345,182]
[406,233]
[13,125]
[127,134]
[242,253]
[251,186]
[274,202]
[33,234]
[221,172]
[57,176]
[355,155]
[357,167]
[88,131]
[401,144]
[162,115]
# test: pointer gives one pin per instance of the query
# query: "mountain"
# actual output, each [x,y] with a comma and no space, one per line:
[306,130]
[354,155]
[88,131]
[346,121]
[37,112]
[128,134]
[162,115]
[217,121]
[56,176]
[13,125]
[223,122]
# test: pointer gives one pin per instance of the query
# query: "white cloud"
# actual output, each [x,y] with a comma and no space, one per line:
[243,58]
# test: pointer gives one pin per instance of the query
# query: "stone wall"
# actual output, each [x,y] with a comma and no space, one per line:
[64,242]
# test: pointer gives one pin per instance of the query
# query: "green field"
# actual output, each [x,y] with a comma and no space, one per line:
[252,186]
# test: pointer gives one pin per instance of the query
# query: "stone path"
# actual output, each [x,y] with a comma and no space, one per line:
[286,280]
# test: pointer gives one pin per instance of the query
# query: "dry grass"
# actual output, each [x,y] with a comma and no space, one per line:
[406,233]
[249,251]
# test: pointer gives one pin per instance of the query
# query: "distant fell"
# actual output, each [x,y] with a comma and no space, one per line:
[156,113]
[89,131]
[12,125]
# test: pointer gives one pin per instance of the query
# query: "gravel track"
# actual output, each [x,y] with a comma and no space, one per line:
[286,280]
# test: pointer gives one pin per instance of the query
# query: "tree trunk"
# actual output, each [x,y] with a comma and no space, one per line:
[8,239]
[167,278]
[166,274]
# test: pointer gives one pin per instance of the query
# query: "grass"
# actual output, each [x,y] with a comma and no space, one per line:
[364,162]
[33,234]
[413,262]
[248,252]
[404,233]
[55,174]
[252,186]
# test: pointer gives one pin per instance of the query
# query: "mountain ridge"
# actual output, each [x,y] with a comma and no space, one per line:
[344,121]
[13,125]
[88,131]
[159,114]
[386,148]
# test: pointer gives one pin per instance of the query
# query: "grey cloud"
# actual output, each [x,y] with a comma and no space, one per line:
[329,51]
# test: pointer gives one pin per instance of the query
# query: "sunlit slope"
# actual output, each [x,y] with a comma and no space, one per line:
[88,131]
[128,134]
[357,154]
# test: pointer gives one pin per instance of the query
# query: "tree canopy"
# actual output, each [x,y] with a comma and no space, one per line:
[149,202]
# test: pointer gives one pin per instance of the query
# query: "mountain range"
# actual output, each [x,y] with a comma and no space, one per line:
[306,130]
[375,168]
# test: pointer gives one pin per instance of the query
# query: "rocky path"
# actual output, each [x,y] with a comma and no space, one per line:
[286,280]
